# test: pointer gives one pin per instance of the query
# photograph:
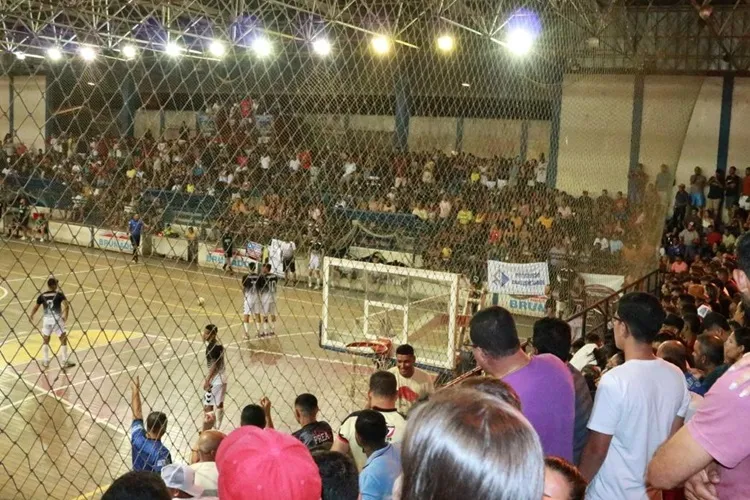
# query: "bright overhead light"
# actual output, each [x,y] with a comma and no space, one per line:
[20,55]
[262,46]
[128,51]
[321,46]
[172,49]
[381,44]
[519,41]
[466,84]
[92,84]
[87,53]
[446,43]
[54,53]
[217,49]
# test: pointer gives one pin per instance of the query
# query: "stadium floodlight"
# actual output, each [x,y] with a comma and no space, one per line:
[519,41]
[321,46]
[262,46]
[217,48]
[129,51]
[172,49]
[466,84]
[20,55]
[381,44]
[87,53]
[446,43]
[54,53]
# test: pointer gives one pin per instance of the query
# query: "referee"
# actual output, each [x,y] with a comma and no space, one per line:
[135,228]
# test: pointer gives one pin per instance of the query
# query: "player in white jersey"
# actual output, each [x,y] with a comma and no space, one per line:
[55,315]
[266,285]
[215,384]
[313,268]
[250,301]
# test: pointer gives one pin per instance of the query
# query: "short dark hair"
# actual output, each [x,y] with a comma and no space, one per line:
[742,337]
[211,329]
[371,427]
[693,321]
[575,479]
[156,422]
[494,331]
[138,485]
[253,415]
[714,319]
[643,315]
[52,282]
[674,321]
[664,336]
[552,336]
[712,347]
[383,383]
[593,338]
[306,403]
[339,475]
[742,250]
[405,350]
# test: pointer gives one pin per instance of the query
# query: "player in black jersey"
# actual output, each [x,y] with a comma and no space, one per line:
[250,301]
[313,268]
[266,286]
[215,384]
[315,435]
[227,244]
[55,315]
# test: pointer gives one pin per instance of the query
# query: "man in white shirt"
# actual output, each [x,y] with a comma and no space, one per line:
[445,208]
[349,169]
[638,406]
[204,461]
[413,383]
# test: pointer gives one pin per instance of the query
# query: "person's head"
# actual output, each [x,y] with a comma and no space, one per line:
[638,319]
[708,351]
[156,424]
[697,170]
[405,360]
[494,387]
[253,415]
[52,284]
[593,338]
[717,324]
[305,408]
[383,390]
[137,485]
[136,216]
[673,324]
[493,335]
[675,352]
[741,274]
[552,336]
[661,337]
[266,268]
[208,445]
[465,444]
[265,464]
[338,474]
[180,481]
[210,332]
[692,324]
[737,345]
[562,481]
[370,430]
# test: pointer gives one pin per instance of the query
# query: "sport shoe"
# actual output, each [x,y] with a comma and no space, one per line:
[68,364]
[45,365]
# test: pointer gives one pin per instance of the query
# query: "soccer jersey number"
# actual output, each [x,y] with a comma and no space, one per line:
[271,284]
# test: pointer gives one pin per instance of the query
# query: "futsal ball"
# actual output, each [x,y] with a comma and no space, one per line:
[201,301]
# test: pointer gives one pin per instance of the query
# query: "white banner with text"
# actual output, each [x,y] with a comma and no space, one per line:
[517,279]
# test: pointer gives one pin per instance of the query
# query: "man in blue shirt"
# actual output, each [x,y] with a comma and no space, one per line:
[149,454]
[135,228]
[383,464]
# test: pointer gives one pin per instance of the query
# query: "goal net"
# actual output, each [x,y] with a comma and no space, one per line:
[365,300]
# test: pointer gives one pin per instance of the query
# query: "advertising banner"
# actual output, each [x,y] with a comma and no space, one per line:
[517,279]
[71,234]
[116,241]
[210,256]
[519,305]
[254,251]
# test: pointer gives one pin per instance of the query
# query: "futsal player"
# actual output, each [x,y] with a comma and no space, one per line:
[267,290]
[227,244]
[215,384]
[56,309]
[313,268]
[135,228]
[251,301]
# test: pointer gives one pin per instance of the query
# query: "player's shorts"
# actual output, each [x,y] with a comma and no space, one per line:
[251,303]
[289,265]
[25,222]
[53,325]
[215,396]
[228,252]
[135,240]
[314,264]
[268,303]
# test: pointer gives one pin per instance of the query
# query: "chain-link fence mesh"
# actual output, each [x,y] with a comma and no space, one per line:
[291,134]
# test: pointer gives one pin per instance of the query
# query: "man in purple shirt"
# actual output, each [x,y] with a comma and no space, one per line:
[543,383]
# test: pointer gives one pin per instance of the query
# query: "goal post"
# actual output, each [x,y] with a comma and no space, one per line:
[369,301]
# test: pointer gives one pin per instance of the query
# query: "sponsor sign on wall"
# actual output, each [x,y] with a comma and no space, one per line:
[116,241]
[520,305]
[210,256]
[71,234]
[517,279]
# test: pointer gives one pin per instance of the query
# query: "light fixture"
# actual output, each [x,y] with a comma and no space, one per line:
[321,46]
[87,53]
[466,84]
[172,49]
[446,43]
[129,51]
[217,49]
[519,41]
[54,53]
[20,55]
[92,84]
[381,44]
[262,46]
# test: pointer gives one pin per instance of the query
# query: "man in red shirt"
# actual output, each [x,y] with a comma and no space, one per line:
[713,237]
[746,183]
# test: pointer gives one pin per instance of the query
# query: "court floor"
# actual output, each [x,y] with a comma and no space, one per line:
[63,434]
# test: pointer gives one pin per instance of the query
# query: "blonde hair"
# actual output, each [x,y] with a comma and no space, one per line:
[469,444]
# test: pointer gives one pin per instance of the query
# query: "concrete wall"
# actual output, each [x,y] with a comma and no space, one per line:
[739,134]
[486,137]
[430,133]
[4,106]
[29,109]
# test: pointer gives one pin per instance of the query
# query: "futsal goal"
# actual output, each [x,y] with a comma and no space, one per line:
[367,301]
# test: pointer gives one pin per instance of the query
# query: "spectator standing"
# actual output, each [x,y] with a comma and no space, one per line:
[413,383]
[690,239]
[638,405]
[715,191]
[675,352]
[317,436]
[737,345]
[338,474]
[733,188]
[180,480]
[562,481]
[708,353]
[206,473]
[681,202]
[149,454]
[383,464]
[138,485]
[697,188]
[542,382]
[664,185]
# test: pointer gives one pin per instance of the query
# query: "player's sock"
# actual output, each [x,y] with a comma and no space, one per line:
[45,353]
[273,327]
[317,282]
[309,281]
[219,417]
[63,354]
[246,327]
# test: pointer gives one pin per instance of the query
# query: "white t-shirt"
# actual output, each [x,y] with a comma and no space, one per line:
[349,168]
[541,172]
[636,403]
[287,249]
[584,357]
[265,162]
[294,165]
[411,389]
[207,476]
[603,243]
[445,209]
[394,420]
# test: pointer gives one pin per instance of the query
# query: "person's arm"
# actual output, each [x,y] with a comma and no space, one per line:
[594,454]
[340,445]
[34,310]
[135,400]
[604,420]
[265,403]
[677,460]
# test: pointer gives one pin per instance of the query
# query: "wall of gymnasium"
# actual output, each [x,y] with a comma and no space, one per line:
[23,110]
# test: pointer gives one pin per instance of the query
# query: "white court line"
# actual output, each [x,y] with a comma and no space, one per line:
[45,276]
[4,291]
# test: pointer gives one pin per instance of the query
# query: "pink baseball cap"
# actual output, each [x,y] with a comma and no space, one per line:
[264,464]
